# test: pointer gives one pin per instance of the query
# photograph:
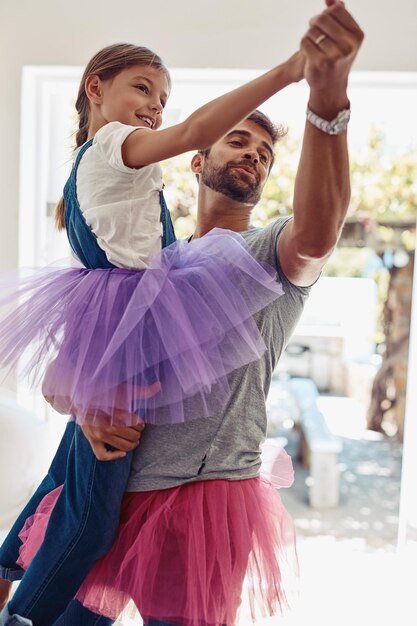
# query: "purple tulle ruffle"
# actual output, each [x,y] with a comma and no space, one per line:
[158,342]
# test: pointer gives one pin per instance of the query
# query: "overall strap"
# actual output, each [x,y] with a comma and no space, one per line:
[81,151]
[81,238]
[168,233]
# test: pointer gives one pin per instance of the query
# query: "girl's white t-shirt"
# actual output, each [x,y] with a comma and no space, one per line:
[120,204]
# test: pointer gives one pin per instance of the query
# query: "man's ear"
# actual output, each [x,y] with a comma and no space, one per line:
[197,163]
[93,88]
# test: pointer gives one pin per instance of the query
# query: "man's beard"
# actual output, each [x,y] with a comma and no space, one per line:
[226,180]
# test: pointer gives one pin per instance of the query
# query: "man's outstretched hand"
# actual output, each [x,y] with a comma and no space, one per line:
[330,46]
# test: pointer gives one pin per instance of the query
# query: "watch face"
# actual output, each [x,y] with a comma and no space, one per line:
[341,121]
[344,115]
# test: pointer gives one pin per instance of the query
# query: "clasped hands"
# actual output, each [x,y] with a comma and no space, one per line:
[326,55]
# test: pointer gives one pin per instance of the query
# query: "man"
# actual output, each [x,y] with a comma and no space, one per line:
[231,176]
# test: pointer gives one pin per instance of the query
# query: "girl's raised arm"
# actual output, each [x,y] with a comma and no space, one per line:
[211,121]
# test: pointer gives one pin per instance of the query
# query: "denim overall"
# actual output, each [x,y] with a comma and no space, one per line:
[92,492]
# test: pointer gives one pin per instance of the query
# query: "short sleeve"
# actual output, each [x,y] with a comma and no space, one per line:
[109,140]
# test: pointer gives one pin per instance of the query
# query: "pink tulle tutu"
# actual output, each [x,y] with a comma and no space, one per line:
[183,554]
[34,529]
[118,341]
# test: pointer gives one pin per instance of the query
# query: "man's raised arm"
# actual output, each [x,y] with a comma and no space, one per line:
[322,187]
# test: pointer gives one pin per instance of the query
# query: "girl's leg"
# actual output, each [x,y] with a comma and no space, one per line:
[77,615]
[81,529]
[9,551]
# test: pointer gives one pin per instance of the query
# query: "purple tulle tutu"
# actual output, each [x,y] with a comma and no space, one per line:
[109,342]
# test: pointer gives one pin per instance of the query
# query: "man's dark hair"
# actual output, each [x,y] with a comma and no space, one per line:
[276,131]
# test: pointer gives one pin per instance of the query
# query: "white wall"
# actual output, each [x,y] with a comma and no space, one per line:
[219,33]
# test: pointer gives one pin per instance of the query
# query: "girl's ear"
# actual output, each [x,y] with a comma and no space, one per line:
[93,88]
[197,163]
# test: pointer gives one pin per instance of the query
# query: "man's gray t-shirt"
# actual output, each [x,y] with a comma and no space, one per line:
[226,445]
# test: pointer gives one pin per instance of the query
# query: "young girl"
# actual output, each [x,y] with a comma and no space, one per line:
[151,328]
[138,328]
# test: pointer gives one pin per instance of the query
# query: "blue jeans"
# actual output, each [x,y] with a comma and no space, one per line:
[82,527]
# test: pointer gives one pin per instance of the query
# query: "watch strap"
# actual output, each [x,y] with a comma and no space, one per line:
[335,126]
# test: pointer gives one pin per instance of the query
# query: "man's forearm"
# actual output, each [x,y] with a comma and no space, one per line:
[322,186]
